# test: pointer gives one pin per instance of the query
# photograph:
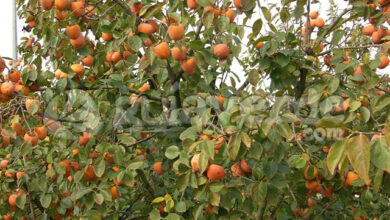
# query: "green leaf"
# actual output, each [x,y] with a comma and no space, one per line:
[126,139]
[172,152]
[216,186]
[181,207]
[329,122]
[21,201]
[282,59]
[135,42]
[45,201]
[203,161]
[285,131]
[354,105]
[150,11]
[256,28]
[266,13]
[82,192]
[335,154]
[154,215]
[99,198]
[380,154]
[173,216]
[190,133]
[387,132]
[365,114]
[337,35]
[333,85]
[182,182]
[378,180]
[234,145]
[259,193]
[382,102]
[207,19]
[253,77]
[358,152]
[100,167]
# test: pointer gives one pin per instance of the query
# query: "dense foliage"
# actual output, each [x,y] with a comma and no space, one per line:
[138,110]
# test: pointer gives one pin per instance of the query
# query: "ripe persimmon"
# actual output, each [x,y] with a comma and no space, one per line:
[7,88]
[237,4]
[311,185]
[259,45]
[61,4]
[236,170]
[78,69]
[176,31]
[18,128]
[126,54]
[244,166]
[162,50]
[136,8]
[351,176]
[107,36]
[313,15]
[312,175]
[157,166]
[5,141]
[215,172]
[79,42]
[32,138]
[384,62]
[14,76]
[116,56]
[192,4]
[319,22]
[77,8]
[88,60]
[46,4]
[145,87]
[368,30]
[4,164]
[219,143]
[19,174]
[221,100]
[221,51]
[73,31]
[188,65]
[145,28]
[375,37]
[114,192]
[61,15]
[41,131]
[154,24]
[230,14]
[177,54]
[84,139]
[12,199]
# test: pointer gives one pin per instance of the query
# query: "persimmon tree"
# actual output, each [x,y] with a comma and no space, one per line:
[138,110]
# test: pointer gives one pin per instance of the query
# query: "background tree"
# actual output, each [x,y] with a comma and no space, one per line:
[133,110]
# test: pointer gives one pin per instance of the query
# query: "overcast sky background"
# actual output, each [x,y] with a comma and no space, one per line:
[6,25]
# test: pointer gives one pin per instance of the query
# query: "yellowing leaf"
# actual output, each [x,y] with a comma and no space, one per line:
[335,154]
[358,152]
[158,200]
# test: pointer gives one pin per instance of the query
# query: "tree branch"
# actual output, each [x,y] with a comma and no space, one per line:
[352,48]
[145,181]
[124,6]
[331,26]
